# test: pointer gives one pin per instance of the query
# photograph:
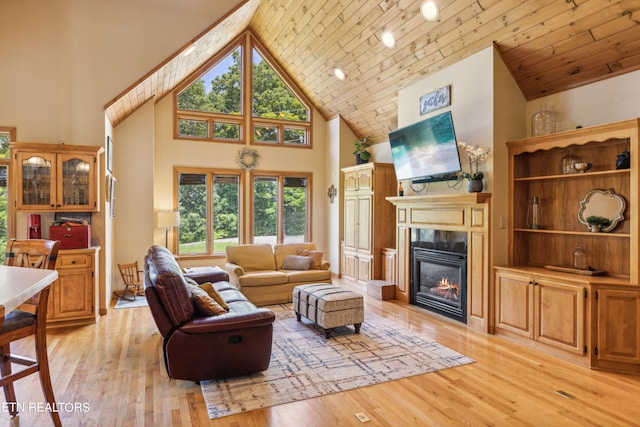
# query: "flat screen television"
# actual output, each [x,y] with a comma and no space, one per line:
[426,151]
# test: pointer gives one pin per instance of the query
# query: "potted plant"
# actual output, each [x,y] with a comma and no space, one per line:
[596,223]
[476,154]
[360,149]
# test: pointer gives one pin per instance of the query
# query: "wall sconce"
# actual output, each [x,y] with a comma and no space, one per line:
[167,220]
[332,193]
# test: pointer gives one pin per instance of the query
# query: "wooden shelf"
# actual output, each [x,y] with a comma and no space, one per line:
[573,233]
[586,175]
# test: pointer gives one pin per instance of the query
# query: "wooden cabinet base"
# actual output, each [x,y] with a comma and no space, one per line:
[73,298]
[593,321]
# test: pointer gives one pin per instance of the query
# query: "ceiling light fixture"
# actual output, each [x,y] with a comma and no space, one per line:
[339,73]
[429,10]
[388,40]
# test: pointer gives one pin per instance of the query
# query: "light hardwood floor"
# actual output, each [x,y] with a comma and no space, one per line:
[114,372]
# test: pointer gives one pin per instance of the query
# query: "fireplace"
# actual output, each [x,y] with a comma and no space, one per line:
[466,213]
[439,272]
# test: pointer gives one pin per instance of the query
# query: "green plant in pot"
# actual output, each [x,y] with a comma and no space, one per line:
[360,149]
[596,223]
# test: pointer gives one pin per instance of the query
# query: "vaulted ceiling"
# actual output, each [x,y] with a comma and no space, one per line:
[548,45]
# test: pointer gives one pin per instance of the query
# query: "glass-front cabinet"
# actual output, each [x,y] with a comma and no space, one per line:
[64,179]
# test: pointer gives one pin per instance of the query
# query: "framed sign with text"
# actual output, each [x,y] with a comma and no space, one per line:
[435,100]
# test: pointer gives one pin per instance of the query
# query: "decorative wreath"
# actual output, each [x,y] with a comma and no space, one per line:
[248,158]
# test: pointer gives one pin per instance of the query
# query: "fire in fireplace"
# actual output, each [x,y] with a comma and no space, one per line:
[439,279]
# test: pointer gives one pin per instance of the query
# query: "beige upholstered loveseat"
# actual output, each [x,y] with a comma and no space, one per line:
[267,275]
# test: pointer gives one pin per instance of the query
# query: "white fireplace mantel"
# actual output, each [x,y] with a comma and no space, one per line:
[468,212]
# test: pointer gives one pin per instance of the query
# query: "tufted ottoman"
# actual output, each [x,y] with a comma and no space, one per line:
[329,306]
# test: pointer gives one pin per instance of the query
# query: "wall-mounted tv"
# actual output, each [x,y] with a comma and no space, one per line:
[426,151]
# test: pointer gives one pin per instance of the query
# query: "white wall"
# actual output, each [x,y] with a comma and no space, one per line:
[471,82]
[607,101]
[133,224]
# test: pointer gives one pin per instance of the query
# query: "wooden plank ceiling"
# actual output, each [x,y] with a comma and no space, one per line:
[548,45]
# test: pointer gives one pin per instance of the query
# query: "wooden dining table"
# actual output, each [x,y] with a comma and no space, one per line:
[18,284]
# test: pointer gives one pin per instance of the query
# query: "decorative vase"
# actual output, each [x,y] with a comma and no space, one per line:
[360,161]
[474,185]
[594,228]
[543,122]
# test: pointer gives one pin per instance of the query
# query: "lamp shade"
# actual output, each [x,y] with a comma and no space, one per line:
[168,219]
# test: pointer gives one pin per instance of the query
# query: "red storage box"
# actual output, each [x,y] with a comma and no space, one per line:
[71,236]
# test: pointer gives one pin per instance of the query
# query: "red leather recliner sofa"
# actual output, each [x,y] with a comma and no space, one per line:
[201,348]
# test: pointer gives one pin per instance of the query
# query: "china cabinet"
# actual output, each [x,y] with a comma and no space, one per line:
[541,299]
[368,219]
[55,177]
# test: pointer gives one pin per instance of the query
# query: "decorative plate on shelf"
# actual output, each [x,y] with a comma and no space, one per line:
[603,203]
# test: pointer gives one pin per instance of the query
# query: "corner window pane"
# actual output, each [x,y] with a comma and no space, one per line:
[265,134]
[295,136]
[193,128]
[226,131]
[192,203]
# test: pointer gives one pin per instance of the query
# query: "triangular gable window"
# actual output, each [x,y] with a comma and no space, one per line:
[272,98]
[219,90]
[211,106]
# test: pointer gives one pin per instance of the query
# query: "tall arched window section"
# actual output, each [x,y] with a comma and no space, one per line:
[241,95]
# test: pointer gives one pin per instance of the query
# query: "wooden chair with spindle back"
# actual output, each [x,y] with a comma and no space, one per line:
[18,324]
[132,279]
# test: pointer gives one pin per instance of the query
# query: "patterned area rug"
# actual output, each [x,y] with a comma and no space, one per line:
[304,364]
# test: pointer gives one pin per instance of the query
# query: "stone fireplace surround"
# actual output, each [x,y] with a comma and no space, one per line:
[466,212]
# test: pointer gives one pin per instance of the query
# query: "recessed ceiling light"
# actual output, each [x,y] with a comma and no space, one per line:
[339,73]
[429,10]
[388,39]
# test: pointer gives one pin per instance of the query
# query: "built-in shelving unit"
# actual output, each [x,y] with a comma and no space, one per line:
[589,319]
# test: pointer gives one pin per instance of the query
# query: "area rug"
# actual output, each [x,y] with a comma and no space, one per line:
[304,364]
[140,301]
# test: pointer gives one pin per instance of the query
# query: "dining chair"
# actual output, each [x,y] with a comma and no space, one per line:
[18,324]
[131,277]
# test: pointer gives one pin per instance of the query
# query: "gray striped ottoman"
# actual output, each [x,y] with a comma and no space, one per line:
[328,306]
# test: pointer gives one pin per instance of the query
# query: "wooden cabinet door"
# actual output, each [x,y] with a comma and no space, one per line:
[350,265]
[364,226]
[365,180]
[74,294]
[389,256]
[560,315]
[618,325]
[350,223]
[76,182]
[514,304]
[35,181]
[350,181]
[365,268]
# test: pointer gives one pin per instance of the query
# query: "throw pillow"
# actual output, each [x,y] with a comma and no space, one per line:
[296,262]
[316,257]
[204,304]
[213,293]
